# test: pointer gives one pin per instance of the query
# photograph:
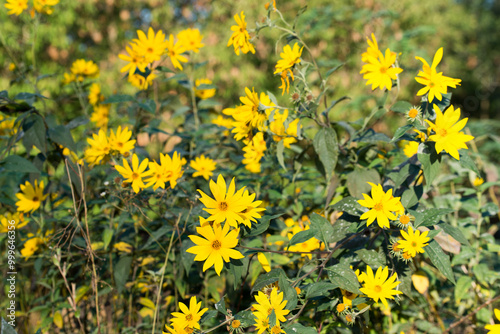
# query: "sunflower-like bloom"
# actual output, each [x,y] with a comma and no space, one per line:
[136,60]
[203,166]
[379,69]
[82,69]
[252,211]
[203,93]
[30,247]
[435,83]
[140,81]
[135,174]
[382,206]
[152,46]
[100,116]
[226,205]
[95,95]
[216,246]
[16,7]
[5,221]
[168,170]
[289,57]
[411,148]
[254,152]
[240,39]
[413,241]
[190,39]
[494,329]
[447,133]
[189,317]
[265,305]
[380,286]
[99,149]
[288,134]
[45,6]
[261,322]
[120,141]
[30,197]
[175,51]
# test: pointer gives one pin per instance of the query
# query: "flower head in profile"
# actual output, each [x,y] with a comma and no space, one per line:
[382,206]
[82,69]
[284,67]
[380,286]
[190,39]
[45,6]
[30,247]
[414,241]
[175,51]
[16,7]
[240,39]
[494,329]
[203,166]
[189,317]
[254,152]
[135,173]
[379,69]
[216,246]
[95,95]
[31,196]
[142,80]
[203,93]
[100,116]
[252,211]
[99,149]
[447,135]
[435,83]
[152,46]
[227,203]
[168,170]
[266,305]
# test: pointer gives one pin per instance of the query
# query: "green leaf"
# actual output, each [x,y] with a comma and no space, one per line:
[263,225]
[467,162]
[330,71]
[401,131]
[117,98]
[326,145]
[7,328]
[236,267]
[206,86]
[350,205]
[301,237]
[34,133]
[462,288]
[411,196]
[208,104]
[430,165]
[246,318]
[357,181]
[122,271]
[279,153]
[107,234]
[343,276]
[267,278]
[431,216]
[401,106]
[221,306]
[187,258]
[272,319]
[319,289]
[290,295]
[149,106]
[455,233]
[15,163]
[322,229]
[440,260]
[62,136]
[300,329]
[371,257]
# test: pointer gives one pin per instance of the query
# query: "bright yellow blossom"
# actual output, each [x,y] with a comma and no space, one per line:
[168,170]
[411,148]
[82,69]
[189,317]
[16,7]
[100,116]
[382,206]
[203,93]
[203,166]
[175,51]
[135,173]
[30,197]
[136,60]
[494,329]
[240,39]
[5,221]
[120,141]
[379,69]
[152,46]
[190,39]
[380,286]
[99,149]
[265,305]
[413,241]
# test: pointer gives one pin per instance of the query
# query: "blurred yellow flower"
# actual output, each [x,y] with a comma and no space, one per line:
[190,39]
[120,141]
[169,170]
[100,115]
[18,219]
[203,93]
[264,262]
[254,152]
[30,247]
[494,329]
[240,39]
[123,247]
[140,81]
[99,149]
[16,7]
[45,6]
[95,95]
[411,148]
[135,173]
[82,69]
[136,61]
[151,47]
[30,197]
[478,181]
[203,166]
[175,51]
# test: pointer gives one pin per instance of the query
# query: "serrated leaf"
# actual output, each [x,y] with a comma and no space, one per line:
[15,163]
[122,271]
[326,146]
[343,276]
[440,260]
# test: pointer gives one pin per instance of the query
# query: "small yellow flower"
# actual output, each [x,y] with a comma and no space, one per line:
[235,324]
[380,286]
[168,170]
[203,166]
[99,149]
[84,69]
[135,59]
[151,47]
[478,181]
[174,51]
[240,39]
[140,81]
[189,317]
[16,7]
[30,247]
[413,113]
[204,93]
[120,141]
[411,148]
[190,39]
[5,221]
[494,329]
[275,302]
[100,116]
[135,173]
[95,95]
[382,206]
[12,67]
[413,242]
[30,197]
[123,247]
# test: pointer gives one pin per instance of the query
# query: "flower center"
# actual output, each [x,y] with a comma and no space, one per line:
[150,50]
[404,219]
[395,247]
[379,207]
[35,199]
[223,206]
[276,330]
[383,70]
[216,244]
[406,256]
[189,317]
[413,113]
[414,244]
[135,176]
[235,323]
[442,132]
[188,330]
[377,288]
[269,310]
[119,144]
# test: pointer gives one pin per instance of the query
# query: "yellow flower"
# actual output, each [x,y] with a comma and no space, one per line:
[235,324]
[151,47]
[289,57]
[99,149]
[7,125]
[95,95]
[379,69]
[435,83]
[216,247]
[309,245]
[411,148]
[30,247]
[277,126]
[16,7]
[413,242]
[264,262]
[226,205]
[267,305]
[136,61]
[380,286]
[30,197]
[203,93]
[203,166]
[250,113]
[45,6]
[174,51]
[100,116]
[123,247]
[420,135]
[261,322]
[372,51]
[121,140]
[276,329]
[494,329]
[478,181]
[84,69]
[189,316]
[5,220]
[382,206]
[190,39]
[68,78]
[254,152]
[169,170]
[140,81]
[12,67]
[447,128]
[252,210]
[223,122]
[240,39]
[177,329]
[135,174]
[347,297]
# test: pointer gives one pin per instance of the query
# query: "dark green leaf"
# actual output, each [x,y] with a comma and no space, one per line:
[15,163]
[326,146]
[357,181]
[319,289]
[350,205]
[246,318]
[263,225]
[440,260]
[431,216]
[322,228]
[430,165]
[122,271]
[117,98]
[267,278]
[401,106]
[343,276]
[221,306]
[290,295]
[62,136]
[401,131]
[300,329]
[371,257]
[301,237]
[34,133]
[455,233]
[148,105]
